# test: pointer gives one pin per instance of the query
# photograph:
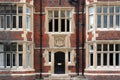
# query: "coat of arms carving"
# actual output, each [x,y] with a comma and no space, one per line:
[59,41]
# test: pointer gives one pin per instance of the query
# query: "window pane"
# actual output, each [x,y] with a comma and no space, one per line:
[50,25]
[14,9]
[111,47]
[62,25]
[68,25]
[28,59]
[62,13]
[14,47]
[68,14]
[117,47]
[98,59]
[117,59]
[91,10]
[111,21]
[99,47]
[55,13]
[105,59]
[111,59]
[14,59]
[50,14]
[56,25]
[8,9]
[1,48]
[8,59]
[111,9]
[28,10]
[28,22]
[99,21]
[20,48]
[1,59]
[7,47]
[105,47]
[105,21]
[68,56]
[99,9]
[91,47]
[20,59]
[49,57]
[91,59]
[117,9]
[14,21]
[20,9]
[1,21]
[118,21]
[105,9]
[2,9]
[91,21]
[28,47]
[20,21]
[8,19]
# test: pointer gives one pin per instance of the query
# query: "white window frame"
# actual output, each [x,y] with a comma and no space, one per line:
[28,56]
[9,22]
[91,51]
[12,22]
[91,16]
[59,9]
[28,18]
[108,18]
[108,52]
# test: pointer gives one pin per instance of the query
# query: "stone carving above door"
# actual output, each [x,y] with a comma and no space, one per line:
[59,41]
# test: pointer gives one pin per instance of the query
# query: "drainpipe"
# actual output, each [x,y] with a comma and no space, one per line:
[83,31]
[40,39]
[77,38]
[76,4]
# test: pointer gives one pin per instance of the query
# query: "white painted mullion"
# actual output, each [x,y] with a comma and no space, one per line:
[59,20]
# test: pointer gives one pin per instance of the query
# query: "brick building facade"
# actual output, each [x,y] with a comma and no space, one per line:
[20,39]
[102,39]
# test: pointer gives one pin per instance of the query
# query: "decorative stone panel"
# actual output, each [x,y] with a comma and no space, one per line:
[59,41]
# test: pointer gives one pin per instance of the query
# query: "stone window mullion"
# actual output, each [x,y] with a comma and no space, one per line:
[65,21]
[53,22]
[114,56]
[59,21]
[108,53]
[102,59]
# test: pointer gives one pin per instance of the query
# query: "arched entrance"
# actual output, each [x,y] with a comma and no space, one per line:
[59,63]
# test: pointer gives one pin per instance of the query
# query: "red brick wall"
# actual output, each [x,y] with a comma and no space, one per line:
[108,0]
[11,35]
[28,1]
[9,0]
[37,62]
[108,35]
[29,36]
[90,1]
[90,36]
[102,74]
[103,77]
[17,77]
[52,3]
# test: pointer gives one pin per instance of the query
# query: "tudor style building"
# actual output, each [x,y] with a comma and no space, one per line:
[102,39]
[16,39]
[58,38]
[62,47]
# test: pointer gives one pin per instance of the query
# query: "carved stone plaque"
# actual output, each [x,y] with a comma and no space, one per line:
[59,41]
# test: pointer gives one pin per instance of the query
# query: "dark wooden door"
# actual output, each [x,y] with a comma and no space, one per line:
[59,64]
